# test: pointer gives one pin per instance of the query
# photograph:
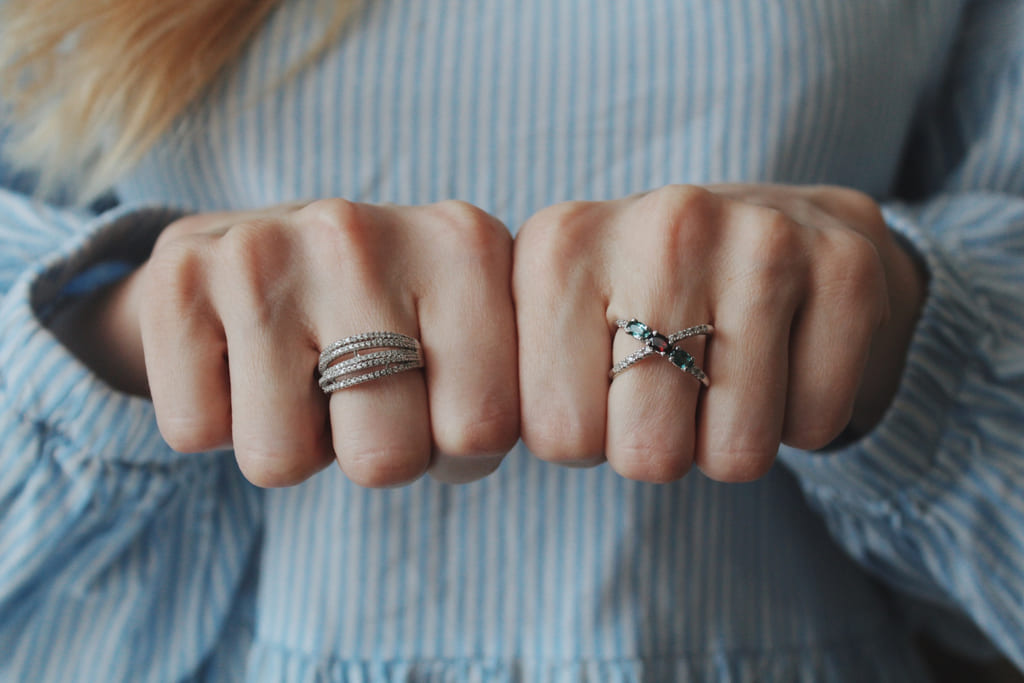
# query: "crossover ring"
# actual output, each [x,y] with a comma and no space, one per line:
[389,354]
[655,343]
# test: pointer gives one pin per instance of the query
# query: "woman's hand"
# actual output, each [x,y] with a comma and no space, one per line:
[223,326]
[812,302]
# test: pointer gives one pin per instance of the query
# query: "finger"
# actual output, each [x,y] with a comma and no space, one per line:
[831,341]
[278,422]
[468,325]
[664,253]
[280,430]
[741,414]
[741,417]
[359,282]
[185,349]
[651,408]
[564,341]
[380,428]
[564,353]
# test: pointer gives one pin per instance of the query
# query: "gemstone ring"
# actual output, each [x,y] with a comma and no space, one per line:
[655,343]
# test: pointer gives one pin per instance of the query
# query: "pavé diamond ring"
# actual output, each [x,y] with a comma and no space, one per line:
[388,353]
[655,343]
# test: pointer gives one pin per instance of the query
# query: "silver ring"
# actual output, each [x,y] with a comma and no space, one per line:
[655,343]
[389,354]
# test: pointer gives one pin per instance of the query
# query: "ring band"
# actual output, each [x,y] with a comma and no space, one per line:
[389,354]
[655,343]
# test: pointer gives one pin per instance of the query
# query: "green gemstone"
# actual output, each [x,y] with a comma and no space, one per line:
[681,359]
[638,330]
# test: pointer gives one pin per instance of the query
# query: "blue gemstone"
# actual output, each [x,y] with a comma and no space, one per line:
[638,330]
[681,359]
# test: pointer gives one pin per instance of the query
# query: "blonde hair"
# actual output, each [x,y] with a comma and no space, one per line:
[89,86]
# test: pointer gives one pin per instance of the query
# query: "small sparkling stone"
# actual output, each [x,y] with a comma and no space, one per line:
[681,359]
[659,343]
[637,329]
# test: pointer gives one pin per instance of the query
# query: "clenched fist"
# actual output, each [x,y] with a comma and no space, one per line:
[224,324]
[812,301]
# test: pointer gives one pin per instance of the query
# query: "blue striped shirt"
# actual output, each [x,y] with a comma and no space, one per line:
[122,560]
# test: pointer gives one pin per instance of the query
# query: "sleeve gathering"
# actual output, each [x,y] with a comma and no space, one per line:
[931,500]
[100,521]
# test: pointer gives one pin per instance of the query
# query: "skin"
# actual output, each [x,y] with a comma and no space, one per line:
[813,304]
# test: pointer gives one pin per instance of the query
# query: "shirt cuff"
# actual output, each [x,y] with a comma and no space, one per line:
[48,387]
[882,472]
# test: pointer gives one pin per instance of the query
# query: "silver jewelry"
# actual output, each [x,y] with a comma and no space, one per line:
[389,354]
[655,343]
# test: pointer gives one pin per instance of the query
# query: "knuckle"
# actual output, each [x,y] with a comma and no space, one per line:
[686,203]
[461,214]
[384,468]
[738,463]
[339,232]
[559,217]
[333,214]
[552,240]
[680,209]
[646,463]
[775,256]
[562,439]
[739,452]
[249,245]
[270,468]
[863,263]
[178,268]
[553,225]
[811,439]
[852,204]
[777,244]
[471,230]
[185,227]
[854,199]
[675,220]
[194,433]
[254,256]
[338,225]
[818,430]
[175,230]
[776,222]
[855,267]
[488,433]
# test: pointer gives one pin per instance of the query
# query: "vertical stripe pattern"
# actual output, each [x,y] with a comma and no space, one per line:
[122,560]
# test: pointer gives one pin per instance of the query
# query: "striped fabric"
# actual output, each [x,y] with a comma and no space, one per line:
[121,560]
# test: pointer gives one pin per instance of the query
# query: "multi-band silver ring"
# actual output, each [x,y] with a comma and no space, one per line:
[655,343]
[388,353]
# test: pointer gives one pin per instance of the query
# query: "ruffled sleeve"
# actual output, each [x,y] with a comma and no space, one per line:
[115,551]
[932,500]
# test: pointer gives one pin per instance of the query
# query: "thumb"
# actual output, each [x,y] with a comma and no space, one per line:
[102,331]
